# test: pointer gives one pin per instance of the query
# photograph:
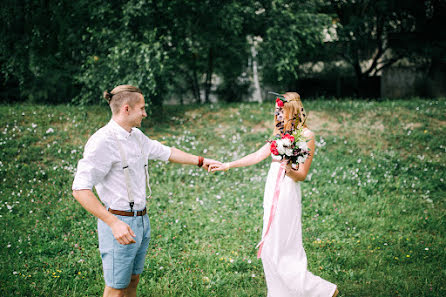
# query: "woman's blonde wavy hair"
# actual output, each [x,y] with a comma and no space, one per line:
[293,111]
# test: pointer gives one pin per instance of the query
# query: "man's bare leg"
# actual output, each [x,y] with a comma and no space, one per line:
[131,289]
[112,292]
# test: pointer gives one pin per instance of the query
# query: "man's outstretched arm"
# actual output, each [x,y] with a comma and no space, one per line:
[178,156]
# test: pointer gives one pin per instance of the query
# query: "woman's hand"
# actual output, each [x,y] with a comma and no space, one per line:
[291,172]
[208,162]
[218,167]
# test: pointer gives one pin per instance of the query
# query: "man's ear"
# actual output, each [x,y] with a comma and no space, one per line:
[125,108]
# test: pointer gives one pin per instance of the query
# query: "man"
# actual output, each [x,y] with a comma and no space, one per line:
[115,162]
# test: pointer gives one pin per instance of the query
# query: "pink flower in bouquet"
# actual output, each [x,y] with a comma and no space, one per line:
[273,148]
[288,136]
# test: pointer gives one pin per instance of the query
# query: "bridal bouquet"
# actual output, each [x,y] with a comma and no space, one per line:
[291,147]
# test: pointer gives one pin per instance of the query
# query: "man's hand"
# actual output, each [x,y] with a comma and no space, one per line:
[208,162]
[122,232]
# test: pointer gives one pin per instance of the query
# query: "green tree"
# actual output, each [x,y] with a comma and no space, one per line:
[374,34]
[123,47]
[41,49]
[205,38]
[291,32]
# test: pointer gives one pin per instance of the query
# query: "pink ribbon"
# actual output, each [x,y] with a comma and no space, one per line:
[272,213]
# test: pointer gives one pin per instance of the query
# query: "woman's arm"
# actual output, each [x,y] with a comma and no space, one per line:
[248,160]
[301,173]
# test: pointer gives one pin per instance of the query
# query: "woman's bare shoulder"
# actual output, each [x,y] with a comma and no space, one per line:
[308,133]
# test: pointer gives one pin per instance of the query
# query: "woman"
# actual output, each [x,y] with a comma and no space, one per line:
[281,250]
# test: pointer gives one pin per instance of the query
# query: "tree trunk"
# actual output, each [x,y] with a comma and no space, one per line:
[208,83]
[195,84]
[358,74]
[255,74]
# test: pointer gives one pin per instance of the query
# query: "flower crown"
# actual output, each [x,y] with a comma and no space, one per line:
[281,100]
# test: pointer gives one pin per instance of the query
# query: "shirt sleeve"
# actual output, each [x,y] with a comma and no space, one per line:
[94,165]
[157,150]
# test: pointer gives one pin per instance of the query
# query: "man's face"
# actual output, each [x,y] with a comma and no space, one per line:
[137,112]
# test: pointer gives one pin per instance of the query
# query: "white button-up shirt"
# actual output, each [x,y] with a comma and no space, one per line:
[101,165]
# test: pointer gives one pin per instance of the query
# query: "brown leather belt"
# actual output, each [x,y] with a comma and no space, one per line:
[128,213]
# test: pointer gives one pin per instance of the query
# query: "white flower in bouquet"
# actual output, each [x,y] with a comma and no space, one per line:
[286,142]
[293,148]
[302,145]
[280,148]
[289,152]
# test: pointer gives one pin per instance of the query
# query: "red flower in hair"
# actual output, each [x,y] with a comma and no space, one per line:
[279,102]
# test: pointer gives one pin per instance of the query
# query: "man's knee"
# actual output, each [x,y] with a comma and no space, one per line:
[112,292]
[134,281]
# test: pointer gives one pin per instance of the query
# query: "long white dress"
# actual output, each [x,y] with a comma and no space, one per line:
[283,256]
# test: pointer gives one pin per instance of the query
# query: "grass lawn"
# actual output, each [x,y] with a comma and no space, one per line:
[373,203]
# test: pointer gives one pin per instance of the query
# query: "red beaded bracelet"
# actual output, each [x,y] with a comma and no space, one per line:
[200,161]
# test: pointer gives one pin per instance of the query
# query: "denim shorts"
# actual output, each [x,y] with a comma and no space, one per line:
[120,261]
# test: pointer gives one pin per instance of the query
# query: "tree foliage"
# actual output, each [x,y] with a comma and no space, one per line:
[292,31]
[123,48]
[41,48]
[375,34]
[53,51]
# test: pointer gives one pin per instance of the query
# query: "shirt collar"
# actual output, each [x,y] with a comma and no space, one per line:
[121,132]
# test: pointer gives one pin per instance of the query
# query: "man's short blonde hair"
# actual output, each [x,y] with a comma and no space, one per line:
[120,95]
